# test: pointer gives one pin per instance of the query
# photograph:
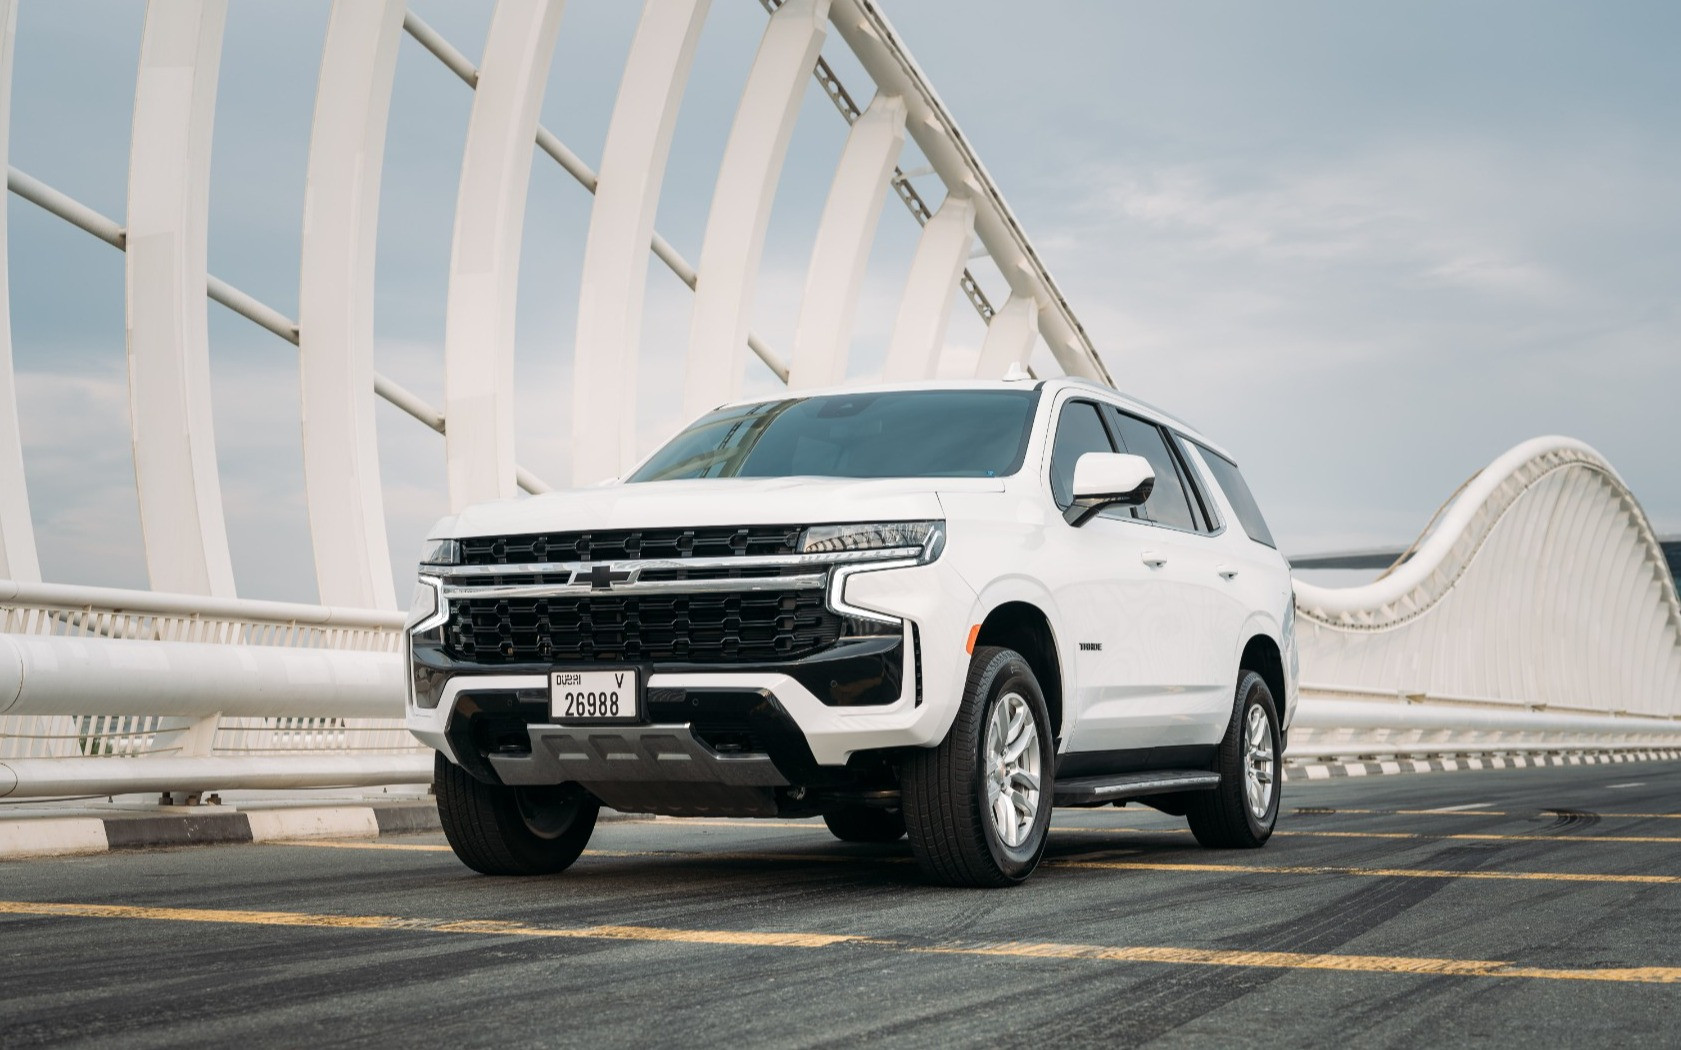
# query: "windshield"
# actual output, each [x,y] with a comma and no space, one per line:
[895,434]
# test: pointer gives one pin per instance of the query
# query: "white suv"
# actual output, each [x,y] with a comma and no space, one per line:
[937,609]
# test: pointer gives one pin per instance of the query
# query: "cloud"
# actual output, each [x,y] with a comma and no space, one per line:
[1365,282]
[1366,328]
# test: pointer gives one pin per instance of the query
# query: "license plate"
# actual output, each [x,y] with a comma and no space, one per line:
[593,696]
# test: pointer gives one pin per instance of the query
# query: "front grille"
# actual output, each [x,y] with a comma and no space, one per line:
[741,627]
[719,541]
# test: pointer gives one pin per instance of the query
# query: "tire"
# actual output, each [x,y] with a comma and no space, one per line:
[498,830]
[947,792]
[866,824]
[1230,817]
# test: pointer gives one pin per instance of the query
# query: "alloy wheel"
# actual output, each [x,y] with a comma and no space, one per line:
[1259,771]
[1012,769]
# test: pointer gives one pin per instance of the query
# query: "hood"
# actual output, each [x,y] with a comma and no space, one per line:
[716,501]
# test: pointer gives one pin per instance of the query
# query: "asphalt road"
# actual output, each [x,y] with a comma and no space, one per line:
[1545,911]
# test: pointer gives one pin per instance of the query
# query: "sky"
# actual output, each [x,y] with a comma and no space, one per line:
[1365,247]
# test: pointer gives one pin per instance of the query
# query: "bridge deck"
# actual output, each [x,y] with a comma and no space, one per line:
[1396,910]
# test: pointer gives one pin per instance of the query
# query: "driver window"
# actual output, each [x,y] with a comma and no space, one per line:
[1078,430]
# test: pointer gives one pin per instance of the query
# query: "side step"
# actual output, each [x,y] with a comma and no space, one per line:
[1086,790]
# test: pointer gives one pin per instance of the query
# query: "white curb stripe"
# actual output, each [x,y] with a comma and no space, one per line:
[1319,770]
[336,822]
[42,838]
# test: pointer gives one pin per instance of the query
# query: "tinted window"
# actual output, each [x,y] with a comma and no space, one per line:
[1078,430]
[897,434]
[1238,495]
[1168,504]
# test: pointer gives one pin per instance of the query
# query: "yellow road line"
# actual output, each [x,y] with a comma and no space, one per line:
[417,847]
[1317,811]
[1082,861]
[1392,835]
[1305,961]
[752,825]
[702,822]
[1389,964]
[610,853]
[1412,873]
[392,922]
[1480,837]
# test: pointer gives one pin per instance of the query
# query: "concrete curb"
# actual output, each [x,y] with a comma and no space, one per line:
[23,837]
[1299,771]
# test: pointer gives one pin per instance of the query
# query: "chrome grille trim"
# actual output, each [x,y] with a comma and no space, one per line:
[767,561]
[581,587]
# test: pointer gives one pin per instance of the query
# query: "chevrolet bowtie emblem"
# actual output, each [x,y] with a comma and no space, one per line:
[603,577]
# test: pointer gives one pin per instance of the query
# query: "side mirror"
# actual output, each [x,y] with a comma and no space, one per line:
[1103,479]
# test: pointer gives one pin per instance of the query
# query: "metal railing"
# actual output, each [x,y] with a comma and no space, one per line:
[105,691]
[100,690]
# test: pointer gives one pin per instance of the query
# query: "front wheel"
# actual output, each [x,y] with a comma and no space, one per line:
[978,806]
[1241,812]
[500,830]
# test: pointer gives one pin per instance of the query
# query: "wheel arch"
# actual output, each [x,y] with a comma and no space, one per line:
[1262,655]
[1025,628]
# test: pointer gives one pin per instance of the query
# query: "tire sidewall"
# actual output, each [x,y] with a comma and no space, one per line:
[1010,673]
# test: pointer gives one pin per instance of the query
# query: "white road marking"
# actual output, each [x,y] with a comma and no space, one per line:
[1632,784]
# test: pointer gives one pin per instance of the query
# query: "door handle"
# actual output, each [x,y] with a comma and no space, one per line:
[1226,571]
[1152,559]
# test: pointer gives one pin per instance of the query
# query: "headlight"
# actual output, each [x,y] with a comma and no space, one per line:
[927,536]
[424,605]
[440,552]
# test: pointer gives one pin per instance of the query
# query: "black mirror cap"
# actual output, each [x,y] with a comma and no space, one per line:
[1081,510]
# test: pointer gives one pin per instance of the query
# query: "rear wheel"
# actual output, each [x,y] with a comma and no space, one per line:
[499,830]
[866,824]
[978,806]
[1241,812]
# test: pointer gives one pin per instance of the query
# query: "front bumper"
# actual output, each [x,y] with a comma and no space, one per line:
[804,720]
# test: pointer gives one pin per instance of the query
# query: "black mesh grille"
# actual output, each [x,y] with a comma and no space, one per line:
[720,541]
[701,628]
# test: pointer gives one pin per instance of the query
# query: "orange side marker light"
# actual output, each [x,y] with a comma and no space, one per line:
[974,632]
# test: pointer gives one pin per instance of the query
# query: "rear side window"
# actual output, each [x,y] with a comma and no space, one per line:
[1237,493]
[1168,504]
[1078,430]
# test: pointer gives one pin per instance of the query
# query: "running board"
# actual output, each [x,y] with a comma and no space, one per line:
[1087,790]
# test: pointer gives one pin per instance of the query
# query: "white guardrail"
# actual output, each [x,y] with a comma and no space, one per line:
[106,691]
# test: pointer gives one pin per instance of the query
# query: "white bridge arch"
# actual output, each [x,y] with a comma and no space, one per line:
[1536,602]
[164,237]
[189,687]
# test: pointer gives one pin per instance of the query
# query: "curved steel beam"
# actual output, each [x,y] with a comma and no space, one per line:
[17,533]
[741,202]
[484,258]
[164,267]
[615,268]
[1010,336]
[336,303]
[841,252]
[941,253]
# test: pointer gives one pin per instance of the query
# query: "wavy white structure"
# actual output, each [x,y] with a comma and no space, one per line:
[69,701]
[1539,586]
